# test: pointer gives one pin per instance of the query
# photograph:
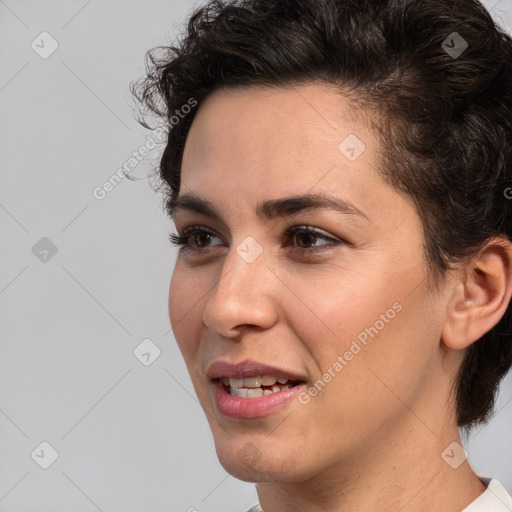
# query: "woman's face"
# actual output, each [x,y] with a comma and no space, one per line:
[352,325]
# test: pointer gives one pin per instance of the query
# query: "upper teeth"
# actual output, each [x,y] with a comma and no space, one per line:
[253,382]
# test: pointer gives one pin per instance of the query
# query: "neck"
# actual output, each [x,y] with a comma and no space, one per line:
[402,468]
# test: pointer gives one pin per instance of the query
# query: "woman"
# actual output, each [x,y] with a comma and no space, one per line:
[337,171]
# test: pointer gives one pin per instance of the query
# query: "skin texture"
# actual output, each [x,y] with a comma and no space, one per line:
[373,437]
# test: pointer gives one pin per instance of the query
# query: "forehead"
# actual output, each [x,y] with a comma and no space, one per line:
[274,135]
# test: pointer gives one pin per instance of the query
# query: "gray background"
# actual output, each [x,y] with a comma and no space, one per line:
[129,437]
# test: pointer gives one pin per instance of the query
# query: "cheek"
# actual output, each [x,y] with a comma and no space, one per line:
[176,293]
[374,323]
[340,304]
[387,343]
[185,309]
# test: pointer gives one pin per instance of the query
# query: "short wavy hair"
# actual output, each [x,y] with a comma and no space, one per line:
[442,113]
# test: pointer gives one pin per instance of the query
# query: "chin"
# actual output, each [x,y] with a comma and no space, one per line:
[243,472]
[246,462]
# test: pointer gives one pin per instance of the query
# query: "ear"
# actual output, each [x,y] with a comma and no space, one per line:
[481,295]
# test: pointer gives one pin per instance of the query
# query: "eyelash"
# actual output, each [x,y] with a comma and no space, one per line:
[186,245]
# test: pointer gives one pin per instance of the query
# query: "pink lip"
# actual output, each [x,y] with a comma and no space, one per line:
[247,408]
[237,407]
[247,368]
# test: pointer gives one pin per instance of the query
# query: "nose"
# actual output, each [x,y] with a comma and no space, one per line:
[243,297]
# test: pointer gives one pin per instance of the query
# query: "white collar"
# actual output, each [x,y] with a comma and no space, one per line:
[494,499]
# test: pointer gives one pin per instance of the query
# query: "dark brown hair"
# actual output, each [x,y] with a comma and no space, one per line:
[444,115]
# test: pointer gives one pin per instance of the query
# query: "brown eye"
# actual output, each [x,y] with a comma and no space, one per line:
[305,239]
[194,238]
[200,238]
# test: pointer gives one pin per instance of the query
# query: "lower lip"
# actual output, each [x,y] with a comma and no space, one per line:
[248,408]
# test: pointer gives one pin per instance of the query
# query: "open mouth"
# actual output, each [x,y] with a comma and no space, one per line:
[255,387]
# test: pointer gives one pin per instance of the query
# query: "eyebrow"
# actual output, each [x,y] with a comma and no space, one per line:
[270,209]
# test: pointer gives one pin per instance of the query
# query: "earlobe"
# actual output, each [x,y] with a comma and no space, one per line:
[480,295]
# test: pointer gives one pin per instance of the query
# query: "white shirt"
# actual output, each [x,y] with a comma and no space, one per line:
[494,499]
